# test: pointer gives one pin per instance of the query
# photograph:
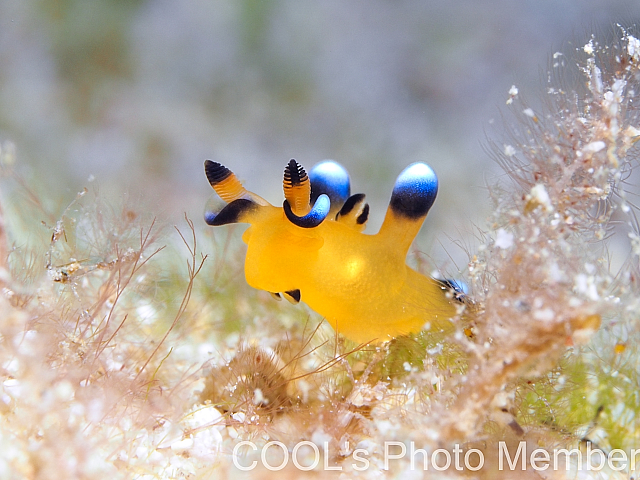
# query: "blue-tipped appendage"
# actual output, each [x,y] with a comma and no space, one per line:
[330,178]
[415,191]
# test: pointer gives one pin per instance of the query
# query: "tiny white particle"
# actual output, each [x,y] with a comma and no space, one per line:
[588,48]
[594,146]
[509,151]
[635,243]
[529,112]
[239,417]
[544,315]
[182,445]
[555,273]
[258,397]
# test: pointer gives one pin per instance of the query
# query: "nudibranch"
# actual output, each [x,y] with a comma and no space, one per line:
[312,249]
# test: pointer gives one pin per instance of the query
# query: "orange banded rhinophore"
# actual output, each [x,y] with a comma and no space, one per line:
[312,249]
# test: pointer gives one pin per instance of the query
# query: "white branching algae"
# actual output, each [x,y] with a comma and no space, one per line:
[116,361]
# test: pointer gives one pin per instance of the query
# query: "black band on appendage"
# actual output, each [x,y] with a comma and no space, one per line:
[216,172]
[364,216]
[350,204]
[411,205]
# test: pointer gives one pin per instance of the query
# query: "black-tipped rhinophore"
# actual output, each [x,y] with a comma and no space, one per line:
[312,219]
[216,172]
[294,174]
[330,178]
[414,192]
[232,212]
[297,188]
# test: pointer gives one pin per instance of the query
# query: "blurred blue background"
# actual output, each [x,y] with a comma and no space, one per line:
[135,94]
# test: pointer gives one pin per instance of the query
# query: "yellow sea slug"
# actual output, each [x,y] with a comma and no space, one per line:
[312,249]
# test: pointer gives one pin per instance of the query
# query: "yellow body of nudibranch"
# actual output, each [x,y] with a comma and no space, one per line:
[360,283]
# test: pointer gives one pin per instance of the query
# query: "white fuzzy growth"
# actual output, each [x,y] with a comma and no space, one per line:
[204,416]
[146,313]
[529,112]
[258,397]
[544,315]
[632,131]
[588,48]
[239,417]
[513,93]
[633,47]
[504,239]
[594,74]
[612,101]
[206,444]
[182,446]
[539,194]
[586,286]
[594,147]
[635,243]
[555,273]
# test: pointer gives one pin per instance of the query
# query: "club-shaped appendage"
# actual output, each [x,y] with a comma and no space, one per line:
[240,201]
[330,178]
[414,192]
[297,194]
[413,195]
